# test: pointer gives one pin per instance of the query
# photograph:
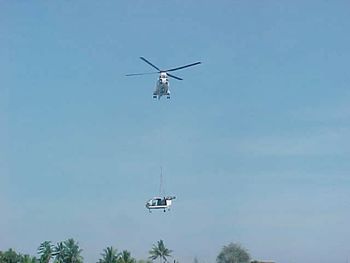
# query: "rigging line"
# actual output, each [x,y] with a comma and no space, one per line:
[161,182]
[162,133]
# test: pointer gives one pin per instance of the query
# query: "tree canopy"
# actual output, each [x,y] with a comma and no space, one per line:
[125,257]
[109,255]
[160,251]
[233,253]
[68,251]
[72,252]
[45,251]
[11,256]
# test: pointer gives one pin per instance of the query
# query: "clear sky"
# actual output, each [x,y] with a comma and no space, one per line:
[254,142]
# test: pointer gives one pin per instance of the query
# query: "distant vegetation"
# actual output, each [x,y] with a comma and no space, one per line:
[68,251]
[160,251]
[233,253]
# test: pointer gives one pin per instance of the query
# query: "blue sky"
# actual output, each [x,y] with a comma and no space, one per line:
[254,142]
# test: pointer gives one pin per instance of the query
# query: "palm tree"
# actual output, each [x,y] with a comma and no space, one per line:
[27,259]
[59,252]
[45,252]
[72,252]
[160,251]
[109,255]
[10,256]
[125,257]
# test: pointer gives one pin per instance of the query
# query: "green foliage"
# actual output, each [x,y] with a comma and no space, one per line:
[72,252]
[109,255]
[160,251]
[59,252]
[28,259]
[10,256]
[233,253]
[45,252]
[125,257]
[64,252]
[67,252]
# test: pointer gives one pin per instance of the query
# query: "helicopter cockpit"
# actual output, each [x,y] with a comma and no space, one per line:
[163,78]
[156,201]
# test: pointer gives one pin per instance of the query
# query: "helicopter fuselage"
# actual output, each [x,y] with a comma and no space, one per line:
[160,203]
[162,86]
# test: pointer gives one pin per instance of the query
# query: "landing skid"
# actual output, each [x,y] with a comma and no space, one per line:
[159,95]
[164,210]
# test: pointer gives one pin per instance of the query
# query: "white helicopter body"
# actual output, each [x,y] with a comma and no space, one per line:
[162,87]
[160,203]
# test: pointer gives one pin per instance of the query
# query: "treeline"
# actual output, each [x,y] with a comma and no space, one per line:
[68,251]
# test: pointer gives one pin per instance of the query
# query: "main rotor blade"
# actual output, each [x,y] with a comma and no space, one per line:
[149,63]
[172,76]
[186,66]
[140,74]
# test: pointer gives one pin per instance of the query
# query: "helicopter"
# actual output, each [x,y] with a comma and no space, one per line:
[160,203]
[162,85]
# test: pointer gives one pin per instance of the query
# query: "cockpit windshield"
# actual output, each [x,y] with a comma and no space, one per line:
[162,201]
